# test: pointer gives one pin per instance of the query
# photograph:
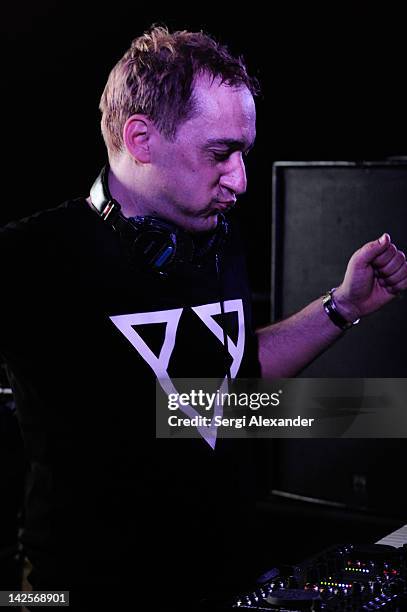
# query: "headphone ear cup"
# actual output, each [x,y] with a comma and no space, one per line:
[165,248]
[155,243]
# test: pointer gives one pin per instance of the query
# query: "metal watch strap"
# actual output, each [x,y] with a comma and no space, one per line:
[331,310]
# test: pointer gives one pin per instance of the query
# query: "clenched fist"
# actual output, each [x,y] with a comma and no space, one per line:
[375,274]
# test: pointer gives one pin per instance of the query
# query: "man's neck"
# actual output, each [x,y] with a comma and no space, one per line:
[122,193]
[121,190]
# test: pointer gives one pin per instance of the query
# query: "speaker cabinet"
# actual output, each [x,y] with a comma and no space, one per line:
[322,213]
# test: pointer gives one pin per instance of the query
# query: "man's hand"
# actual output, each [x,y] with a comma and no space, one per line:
[376,273]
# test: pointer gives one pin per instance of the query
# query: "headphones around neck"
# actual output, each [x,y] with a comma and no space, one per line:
[161,245]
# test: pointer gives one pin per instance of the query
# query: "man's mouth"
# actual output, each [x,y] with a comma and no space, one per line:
[224,206]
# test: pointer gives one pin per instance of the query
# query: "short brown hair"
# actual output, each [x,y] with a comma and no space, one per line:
[155,77]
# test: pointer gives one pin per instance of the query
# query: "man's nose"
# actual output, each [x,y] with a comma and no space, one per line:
[234,178]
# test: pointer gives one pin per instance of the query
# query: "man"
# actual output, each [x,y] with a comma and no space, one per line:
[105,300]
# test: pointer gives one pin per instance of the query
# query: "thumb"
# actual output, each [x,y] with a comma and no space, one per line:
[369,251]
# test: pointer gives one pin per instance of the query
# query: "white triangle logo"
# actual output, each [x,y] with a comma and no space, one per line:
[159,365]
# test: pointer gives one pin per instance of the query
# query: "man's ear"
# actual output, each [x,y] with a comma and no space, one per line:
[137,132]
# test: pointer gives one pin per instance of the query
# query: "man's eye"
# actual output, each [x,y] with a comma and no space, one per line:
[221,156]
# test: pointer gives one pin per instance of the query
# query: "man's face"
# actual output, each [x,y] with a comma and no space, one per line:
[202,172]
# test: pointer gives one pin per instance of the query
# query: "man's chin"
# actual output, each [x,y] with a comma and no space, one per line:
[202,224]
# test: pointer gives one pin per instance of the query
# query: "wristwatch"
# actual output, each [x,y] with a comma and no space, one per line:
[331,310]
